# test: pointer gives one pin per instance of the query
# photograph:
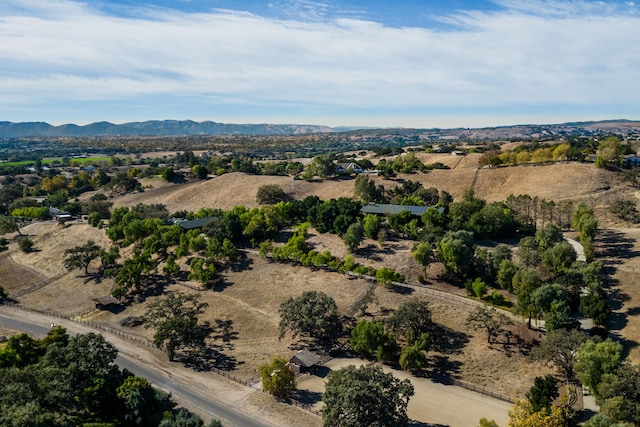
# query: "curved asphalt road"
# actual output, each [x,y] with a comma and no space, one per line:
[206,405]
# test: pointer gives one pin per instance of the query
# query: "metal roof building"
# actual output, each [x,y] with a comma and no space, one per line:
[192,223]
[384,209]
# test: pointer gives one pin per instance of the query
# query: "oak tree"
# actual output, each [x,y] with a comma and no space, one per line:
[313,314]
[81,256]
[365,396]
[176,323]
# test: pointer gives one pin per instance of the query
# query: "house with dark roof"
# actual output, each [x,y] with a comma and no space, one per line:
[348,168]
[387,209]
[304,361]
[105,302]
[190,224]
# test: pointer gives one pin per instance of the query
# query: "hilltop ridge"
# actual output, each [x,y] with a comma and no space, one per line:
[193,128]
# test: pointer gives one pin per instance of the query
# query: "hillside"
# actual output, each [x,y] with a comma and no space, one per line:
[248,295]
[561,181]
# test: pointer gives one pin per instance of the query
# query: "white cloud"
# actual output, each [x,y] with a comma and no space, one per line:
[529,53]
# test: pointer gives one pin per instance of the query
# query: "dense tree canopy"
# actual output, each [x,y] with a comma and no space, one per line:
[313,314]
[595,360]
[176,323]
[365,396]
[62,381]
[411,319]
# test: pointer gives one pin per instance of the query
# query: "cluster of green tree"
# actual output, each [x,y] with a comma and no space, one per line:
[63,381]
[485,220]
[532,212]
[532,153]
[598,365]
[586,224]
[547,254]
[157,244]
[408,193]
[17,200]
[611,151]
[401,338]
[571,285]
[296,249]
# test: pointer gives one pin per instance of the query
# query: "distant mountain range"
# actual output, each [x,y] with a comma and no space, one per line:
[153,128]
[192,128]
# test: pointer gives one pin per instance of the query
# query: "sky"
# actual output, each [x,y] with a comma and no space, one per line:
[378,63]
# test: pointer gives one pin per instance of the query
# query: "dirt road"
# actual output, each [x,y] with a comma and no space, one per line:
[433,403]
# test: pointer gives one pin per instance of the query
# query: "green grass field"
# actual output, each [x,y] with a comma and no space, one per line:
[75,161]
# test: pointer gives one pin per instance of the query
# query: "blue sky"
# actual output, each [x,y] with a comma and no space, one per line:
[418,63]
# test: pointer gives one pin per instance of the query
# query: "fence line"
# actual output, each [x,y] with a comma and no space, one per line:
[248,382]
[482,390]
[424,289]
[39,285]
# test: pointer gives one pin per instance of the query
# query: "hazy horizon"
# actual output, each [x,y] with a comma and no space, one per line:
[377,63]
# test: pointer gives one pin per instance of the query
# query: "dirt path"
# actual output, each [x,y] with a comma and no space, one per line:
[433,403]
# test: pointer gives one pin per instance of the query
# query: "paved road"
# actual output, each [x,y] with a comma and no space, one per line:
[204,404]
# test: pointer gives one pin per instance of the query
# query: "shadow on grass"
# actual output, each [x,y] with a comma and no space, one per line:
[210,358]
[446,340]
[307,397]
[613,244]
[245,264]
[442,370]
[414,423]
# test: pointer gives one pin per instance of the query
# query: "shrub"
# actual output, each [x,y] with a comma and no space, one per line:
[387,276]
[477,288]
[94,218]
[497,298]
[26,244]
[270,194]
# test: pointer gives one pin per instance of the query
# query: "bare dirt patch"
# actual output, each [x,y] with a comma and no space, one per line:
[15,276]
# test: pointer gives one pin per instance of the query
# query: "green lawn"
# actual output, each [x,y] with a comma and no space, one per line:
[84,161]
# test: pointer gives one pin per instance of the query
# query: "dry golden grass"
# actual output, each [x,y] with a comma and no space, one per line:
[252,296]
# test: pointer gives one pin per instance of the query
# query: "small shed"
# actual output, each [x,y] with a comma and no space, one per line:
[304,361]
[103,303]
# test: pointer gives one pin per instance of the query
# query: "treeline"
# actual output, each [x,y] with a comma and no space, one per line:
[62,380]
[606,152]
